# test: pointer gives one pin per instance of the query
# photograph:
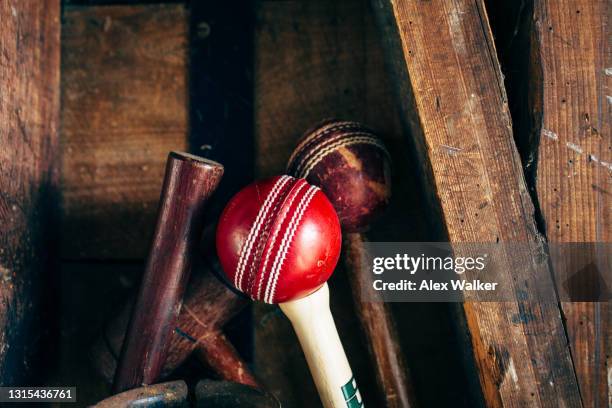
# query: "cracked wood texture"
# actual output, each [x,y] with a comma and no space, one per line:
[454,103]
[29,116]
[571,113]
[124,106]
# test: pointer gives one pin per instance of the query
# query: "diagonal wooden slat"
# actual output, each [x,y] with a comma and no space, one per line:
[451,88]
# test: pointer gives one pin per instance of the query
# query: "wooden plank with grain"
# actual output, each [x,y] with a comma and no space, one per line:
[571,115]
[124,107]
[455,106]
[29,121]
[557,80]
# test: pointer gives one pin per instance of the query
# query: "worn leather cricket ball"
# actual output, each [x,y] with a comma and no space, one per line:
[278,239]
[350,164]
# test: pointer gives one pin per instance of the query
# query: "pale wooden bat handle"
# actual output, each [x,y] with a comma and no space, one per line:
[315,328]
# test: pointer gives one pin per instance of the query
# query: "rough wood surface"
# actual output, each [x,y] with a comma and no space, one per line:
[557,96]
[608,344]
[29,114]
[455,106]
[124,106]
[571,112]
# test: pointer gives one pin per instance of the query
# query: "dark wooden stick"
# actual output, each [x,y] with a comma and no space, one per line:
[29,151]
[217,352]
[170,395]
[208,305]
[188,183]
[379,329]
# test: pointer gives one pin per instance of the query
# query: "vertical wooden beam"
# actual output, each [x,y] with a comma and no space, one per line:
[571,116]
[561,114]
[29,117]
[455,105]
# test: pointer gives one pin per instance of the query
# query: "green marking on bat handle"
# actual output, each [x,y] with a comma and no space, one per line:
[351,394]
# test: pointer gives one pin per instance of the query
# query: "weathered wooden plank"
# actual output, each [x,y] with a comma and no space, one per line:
[571,115]
[454,103]
[124,106]
[29,120]
[561,115]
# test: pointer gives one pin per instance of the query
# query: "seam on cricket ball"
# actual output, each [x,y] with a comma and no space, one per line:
[253,237]
[348,140]
[277,224]
[260,239]
[287,240]
[312,137]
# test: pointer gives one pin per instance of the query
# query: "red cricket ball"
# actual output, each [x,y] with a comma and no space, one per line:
[278,239]
[350,164]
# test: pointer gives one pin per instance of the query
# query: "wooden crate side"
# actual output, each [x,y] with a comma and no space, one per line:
[124,107]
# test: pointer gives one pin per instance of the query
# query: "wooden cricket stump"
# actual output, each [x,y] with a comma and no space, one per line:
[189,182]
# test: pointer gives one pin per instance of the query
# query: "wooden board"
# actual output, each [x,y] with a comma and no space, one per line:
[574,168]
[455,105]
[315,60]
[124,106]
[29,120]
[561,116]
